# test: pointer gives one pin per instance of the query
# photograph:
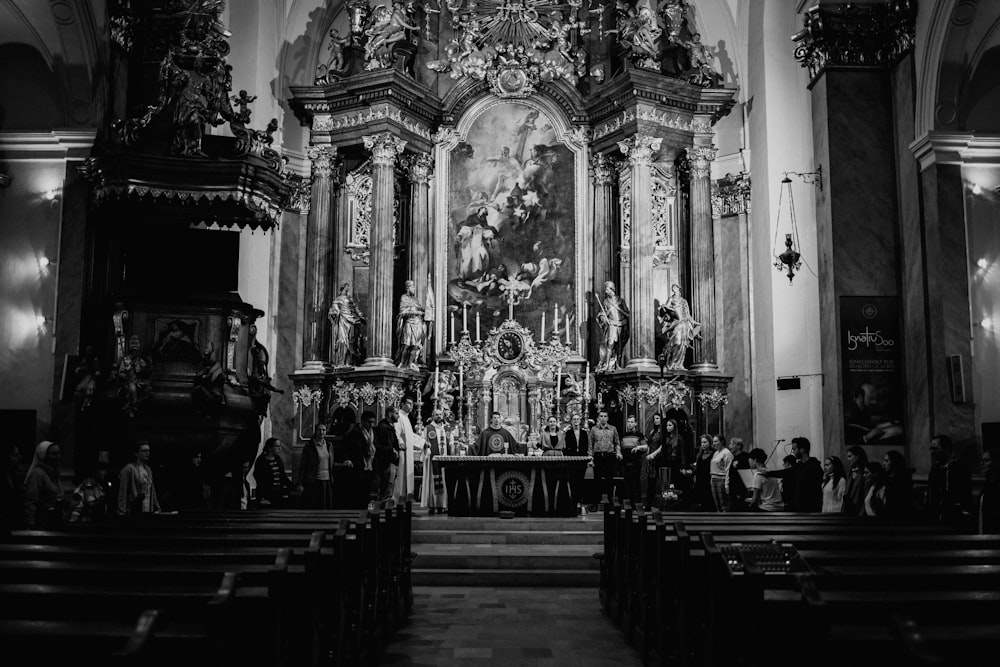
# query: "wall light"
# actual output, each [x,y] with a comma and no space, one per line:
[43,262]
[40,321]
[977,189]
[982,263]
[986,323]
[50,195]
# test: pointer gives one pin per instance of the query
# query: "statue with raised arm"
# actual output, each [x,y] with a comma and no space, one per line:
[614,319]
[680,329]
[386,28]
[410,329]
[348,323]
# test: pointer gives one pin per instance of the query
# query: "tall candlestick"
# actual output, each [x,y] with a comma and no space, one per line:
[451,318]
[461,391]
[542,336]
[586,384]
[558,389]
[465,317]
[567,329]
[477,325]
[437,381]
[555,321]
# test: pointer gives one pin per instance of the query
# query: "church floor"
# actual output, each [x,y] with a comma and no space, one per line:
[508,626]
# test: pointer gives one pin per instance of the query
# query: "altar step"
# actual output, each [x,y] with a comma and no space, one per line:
[506,552]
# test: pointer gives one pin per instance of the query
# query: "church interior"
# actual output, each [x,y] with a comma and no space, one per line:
[523,237]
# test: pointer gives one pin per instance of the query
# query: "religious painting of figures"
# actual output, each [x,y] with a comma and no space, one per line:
[512,222]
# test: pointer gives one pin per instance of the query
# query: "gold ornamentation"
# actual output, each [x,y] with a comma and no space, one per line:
[322,159]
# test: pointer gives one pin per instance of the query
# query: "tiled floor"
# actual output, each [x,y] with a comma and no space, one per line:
[533,627]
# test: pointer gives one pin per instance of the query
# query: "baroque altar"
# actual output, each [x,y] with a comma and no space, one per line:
[469,156]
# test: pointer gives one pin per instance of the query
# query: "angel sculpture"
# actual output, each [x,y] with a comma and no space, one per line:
[386,28]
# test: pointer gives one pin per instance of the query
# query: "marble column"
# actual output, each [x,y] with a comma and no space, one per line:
[602,169]
[385,149]
[702,253]
[418,170]
[640,150]
[318,229]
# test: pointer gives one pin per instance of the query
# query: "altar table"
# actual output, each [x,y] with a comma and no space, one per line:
[524,485]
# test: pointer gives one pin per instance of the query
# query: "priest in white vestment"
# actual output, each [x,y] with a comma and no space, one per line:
[410,445]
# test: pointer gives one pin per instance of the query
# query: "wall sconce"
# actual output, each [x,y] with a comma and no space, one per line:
[790,260]
[5,180]
[41,321]
[50,195]
[44,263]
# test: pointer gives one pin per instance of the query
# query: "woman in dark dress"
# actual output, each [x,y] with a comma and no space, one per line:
[651,464]
[854,497]
[701,494]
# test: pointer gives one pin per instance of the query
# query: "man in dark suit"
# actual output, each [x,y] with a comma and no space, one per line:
[575,437]
[386,452]
[357,454]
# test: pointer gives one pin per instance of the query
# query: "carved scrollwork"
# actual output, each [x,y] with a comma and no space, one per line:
[713,399]
[701,158]
[305,397]
[731,195]
[855,35]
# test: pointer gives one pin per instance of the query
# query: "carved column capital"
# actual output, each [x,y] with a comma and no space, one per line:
[418,167]
[640,148]
[701,160]
[603,168]
[323,159]
[855,35]
[446,136]
[384,147]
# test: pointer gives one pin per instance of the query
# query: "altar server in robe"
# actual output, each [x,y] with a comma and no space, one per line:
[410,445]
[438,443]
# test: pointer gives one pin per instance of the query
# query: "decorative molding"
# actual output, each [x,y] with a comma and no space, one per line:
[855,35]
[731,195]
[663,198]
[664,119]
[265,206]
[955,148]
[625,204]
[385,147]
[330,123]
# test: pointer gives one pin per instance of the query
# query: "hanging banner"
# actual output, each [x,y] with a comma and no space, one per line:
[870,343]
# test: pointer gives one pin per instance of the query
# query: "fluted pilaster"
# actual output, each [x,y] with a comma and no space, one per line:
[602,169]
[385,149]
[318,240]
[640,150]
[703,253]
[418,171]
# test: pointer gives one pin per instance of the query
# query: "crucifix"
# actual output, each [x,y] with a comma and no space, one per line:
[511,287]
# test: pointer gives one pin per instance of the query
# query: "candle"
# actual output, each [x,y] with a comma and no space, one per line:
[451,317]
[465,317]
[543,327]
[477,325]
[558,389]
[586,383]
[437,381]
[555,321]
[567,329]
